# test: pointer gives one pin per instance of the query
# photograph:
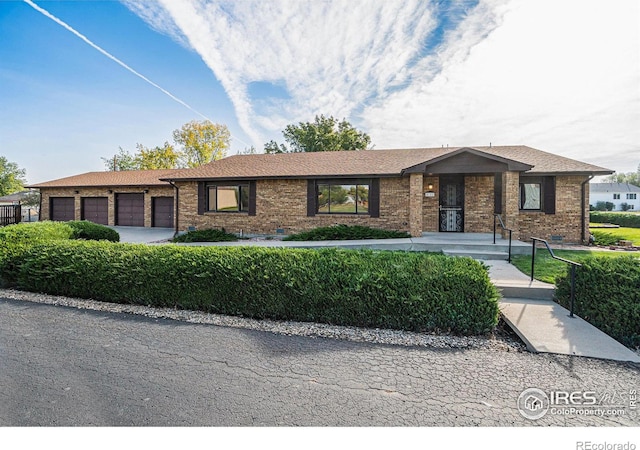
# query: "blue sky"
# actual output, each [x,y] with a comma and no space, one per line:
[561,76]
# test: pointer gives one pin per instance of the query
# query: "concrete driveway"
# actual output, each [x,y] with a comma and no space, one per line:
[144,235]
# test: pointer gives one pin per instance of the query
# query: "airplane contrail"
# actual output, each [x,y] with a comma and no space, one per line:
[113,58]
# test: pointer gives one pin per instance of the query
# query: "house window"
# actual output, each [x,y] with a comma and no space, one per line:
[339,197]
[228,198]
[631,196]
[616,196]
[530,196]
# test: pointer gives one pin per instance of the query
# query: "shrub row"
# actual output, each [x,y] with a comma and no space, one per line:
[345,232]
[411,291]
[622,219]
[208,235]
[15,239]
[607,296]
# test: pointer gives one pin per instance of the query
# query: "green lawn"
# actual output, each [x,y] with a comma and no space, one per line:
[547,268]
[629,234]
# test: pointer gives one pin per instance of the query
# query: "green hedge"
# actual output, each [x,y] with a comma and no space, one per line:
[607,296]
[604,238]
[208,235]
[411,291]
[622,219]
[83,229]
[345,232]
[15,239]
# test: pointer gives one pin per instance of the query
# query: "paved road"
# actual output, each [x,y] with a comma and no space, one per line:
[63,366]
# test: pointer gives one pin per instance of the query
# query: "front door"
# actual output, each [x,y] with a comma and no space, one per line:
[452,203]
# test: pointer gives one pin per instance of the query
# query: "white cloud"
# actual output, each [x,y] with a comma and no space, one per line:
[560,76]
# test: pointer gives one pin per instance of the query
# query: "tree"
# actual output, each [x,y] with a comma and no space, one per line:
[202,142]
[325,134]
[629,177]
[123,160]
[164,157]
[12,178]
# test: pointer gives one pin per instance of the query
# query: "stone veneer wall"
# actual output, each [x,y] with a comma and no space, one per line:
[566,222]
[154,191]
[282,205]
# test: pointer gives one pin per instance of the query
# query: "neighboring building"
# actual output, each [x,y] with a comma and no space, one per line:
[616,193]
[415,190]
[17,199]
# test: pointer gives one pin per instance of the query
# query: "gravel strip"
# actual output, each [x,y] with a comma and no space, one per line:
[502,339]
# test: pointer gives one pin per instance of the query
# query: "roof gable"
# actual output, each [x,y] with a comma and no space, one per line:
[468,160]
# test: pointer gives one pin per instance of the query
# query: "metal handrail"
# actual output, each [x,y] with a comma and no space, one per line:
[499,217]
[573,265]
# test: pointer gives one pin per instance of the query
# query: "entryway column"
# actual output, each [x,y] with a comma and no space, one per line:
[416,191]
[511,202]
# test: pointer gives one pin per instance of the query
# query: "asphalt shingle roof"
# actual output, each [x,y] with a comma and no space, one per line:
[613,187]
[370,162]
[112,178]
[323,164]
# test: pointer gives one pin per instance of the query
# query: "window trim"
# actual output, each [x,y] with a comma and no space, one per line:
[547,193]
[616,196]
[632,196]
[522,200]
[339,182]
[373,207]
[240,186]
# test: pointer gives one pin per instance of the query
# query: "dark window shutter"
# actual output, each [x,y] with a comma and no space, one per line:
[202,198]
[497,193]
[374,198]
[549,192]
[252,198]
[311,198]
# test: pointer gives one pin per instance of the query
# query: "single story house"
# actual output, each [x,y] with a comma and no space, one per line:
[616,193]
[416,190]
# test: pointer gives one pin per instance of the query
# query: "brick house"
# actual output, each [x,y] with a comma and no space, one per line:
[414,190]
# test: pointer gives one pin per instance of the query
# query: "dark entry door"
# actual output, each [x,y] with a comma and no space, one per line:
[96,210]
[62,209]
[452,203]
[130,210]
[162,212]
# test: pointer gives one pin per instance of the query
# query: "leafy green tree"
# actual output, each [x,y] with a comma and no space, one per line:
[202,142]
[123,160]
[164,157]
[325,134]
[12,178]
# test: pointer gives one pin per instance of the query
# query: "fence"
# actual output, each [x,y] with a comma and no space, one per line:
[10,214]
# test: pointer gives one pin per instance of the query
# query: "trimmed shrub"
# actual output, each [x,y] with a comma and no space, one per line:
[607,296]
[345,232]
[15,239]
[604,238]
[209,235]
[411,291]
[83,229]
[624,220]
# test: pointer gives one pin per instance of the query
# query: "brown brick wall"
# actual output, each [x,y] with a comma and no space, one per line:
[478,203]
[566,222]
[416,194]
[154,191]
[282,204]
[430,205]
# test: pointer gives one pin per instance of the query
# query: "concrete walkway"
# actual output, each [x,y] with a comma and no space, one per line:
[544,325]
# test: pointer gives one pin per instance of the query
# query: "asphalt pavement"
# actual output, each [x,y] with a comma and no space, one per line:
[62,366]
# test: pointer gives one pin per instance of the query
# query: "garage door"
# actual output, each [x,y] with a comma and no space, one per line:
[96,209]
[130,210]
[162,212]
[62,209]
